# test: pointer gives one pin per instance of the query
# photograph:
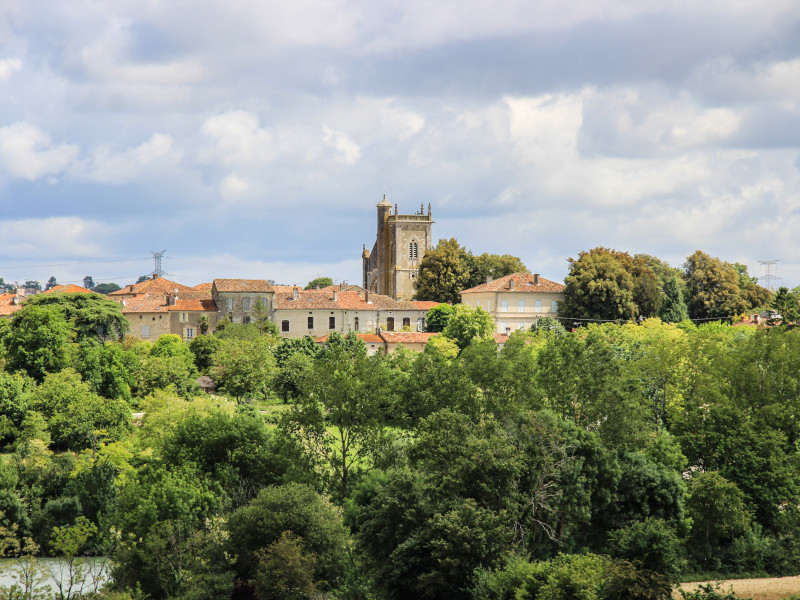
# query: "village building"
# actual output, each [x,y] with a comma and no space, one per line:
[401,242]
[237,299]
[516,301]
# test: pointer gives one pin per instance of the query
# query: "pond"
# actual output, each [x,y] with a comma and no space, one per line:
[54,571]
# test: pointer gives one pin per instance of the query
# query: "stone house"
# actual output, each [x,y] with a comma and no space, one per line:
[237,298]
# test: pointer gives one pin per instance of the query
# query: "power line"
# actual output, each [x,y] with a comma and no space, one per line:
[68,264]
[769,278]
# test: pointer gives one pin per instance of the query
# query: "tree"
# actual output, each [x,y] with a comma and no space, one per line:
[713,287]
[37,341]
[600,286]
[203,347]
[33,285]
[105,288]
[142,278]
[319,282]
[673,308]
[244,368]
[785,303]
[51,283]
[93,317]
[88,283]
[261,319]
[467,324]
[443,272]
[437,317]
[492,265]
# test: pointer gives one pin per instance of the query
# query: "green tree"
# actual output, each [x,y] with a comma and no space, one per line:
[104,288]
[203,324]
[93,317]
[785,303]
[245,368]
[203,347]
[285,572]
[37,341]
[443,272]
[713,288]
[600,285]
[673,308]
[51,283]
[437,317]
[88,283]
[492,265]
[467,324]
[319,281]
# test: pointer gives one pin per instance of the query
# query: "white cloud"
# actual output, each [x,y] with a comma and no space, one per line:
[29,153]
[232,186]
[8,67]
[52,237]
[238,139]
[347,151]
[153,157]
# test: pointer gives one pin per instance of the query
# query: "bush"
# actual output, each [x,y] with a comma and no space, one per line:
[652,543]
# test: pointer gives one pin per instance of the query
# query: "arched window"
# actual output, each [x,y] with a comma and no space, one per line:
[355,323]
[412,250]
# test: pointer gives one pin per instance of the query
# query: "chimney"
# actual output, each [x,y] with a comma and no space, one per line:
[510,284]
[366,298]
[317,287]
[335,296]
[295,294]
[508,331]
[155,275]
[488,279]
[535,279]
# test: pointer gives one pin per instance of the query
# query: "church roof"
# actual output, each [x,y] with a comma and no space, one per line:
[384,202]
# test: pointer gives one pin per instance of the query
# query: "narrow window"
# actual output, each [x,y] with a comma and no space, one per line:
[284,325]
[246,303]
[311,322]
[189,333]
[488,306]
[390,324]
[554,306]
[184,318]
[230,303]
[521,306]
[503,326]
[538,306]
[477,303]
[406,322]
[331,322]
[145,331]
[503,305]
[521,325]
[355,323]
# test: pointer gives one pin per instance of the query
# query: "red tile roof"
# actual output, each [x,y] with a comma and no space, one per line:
[206,305]
[69,289]
[523,282]
[367,338]
[324,299]
[242,285]
[406,337]
[203,287]
[144,304]
[424,304]
[7,305]
[157,285]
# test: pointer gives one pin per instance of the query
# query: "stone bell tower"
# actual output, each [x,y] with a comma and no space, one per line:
[402,240]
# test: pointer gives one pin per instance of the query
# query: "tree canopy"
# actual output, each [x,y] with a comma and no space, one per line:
[319,281]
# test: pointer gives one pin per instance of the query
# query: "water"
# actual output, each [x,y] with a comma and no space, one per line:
[53,570]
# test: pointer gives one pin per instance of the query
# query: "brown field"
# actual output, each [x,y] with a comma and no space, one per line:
[775,588]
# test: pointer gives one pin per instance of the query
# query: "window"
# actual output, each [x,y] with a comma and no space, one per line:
[390,324]
[412,250]
[230,303]
[503,326]
[355,323]
[521,325]
[520,305]
[488,306]
[184,318]
[145,331]
[311,322]
[554,306]
[189,333]
[538,306]
[284,325]
[477,303]
[406,322]
[331,322]
[246,303]
[503,305]
[245,319]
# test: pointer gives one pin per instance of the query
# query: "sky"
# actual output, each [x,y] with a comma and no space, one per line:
[253,138]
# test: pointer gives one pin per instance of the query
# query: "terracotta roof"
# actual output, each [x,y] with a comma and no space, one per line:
[157,285]
[144,304]
[242,285]
[345,288]
[206,305]
[324,299]
[203,287]
[425,304]
[7,305]
[69,289]
[367,338]
[500,338]
[406,337]
[523,282]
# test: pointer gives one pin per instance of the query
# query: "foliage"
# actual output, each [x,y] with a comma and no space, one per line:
[467,324]
[436,318]
[492,265]
[104,288]
[37,341]
[600,285]
[319,282]
[785,303]
[244,368]
[94,318]
[714,289]
[443,272]
[203,347]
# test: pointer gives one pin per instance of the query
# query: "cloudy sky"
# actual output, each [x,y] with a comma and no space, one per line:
[253,138]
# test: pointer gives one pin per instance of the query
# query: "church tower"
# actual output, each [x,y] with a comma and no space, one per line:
[401,242]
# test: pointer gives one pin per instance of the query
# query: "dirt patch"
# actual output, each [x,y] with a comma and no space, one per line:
[773,588]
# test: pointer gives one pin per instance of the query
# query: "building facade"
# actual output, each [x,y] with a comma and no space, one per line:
[401,242]
[243,300]
[516,301]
